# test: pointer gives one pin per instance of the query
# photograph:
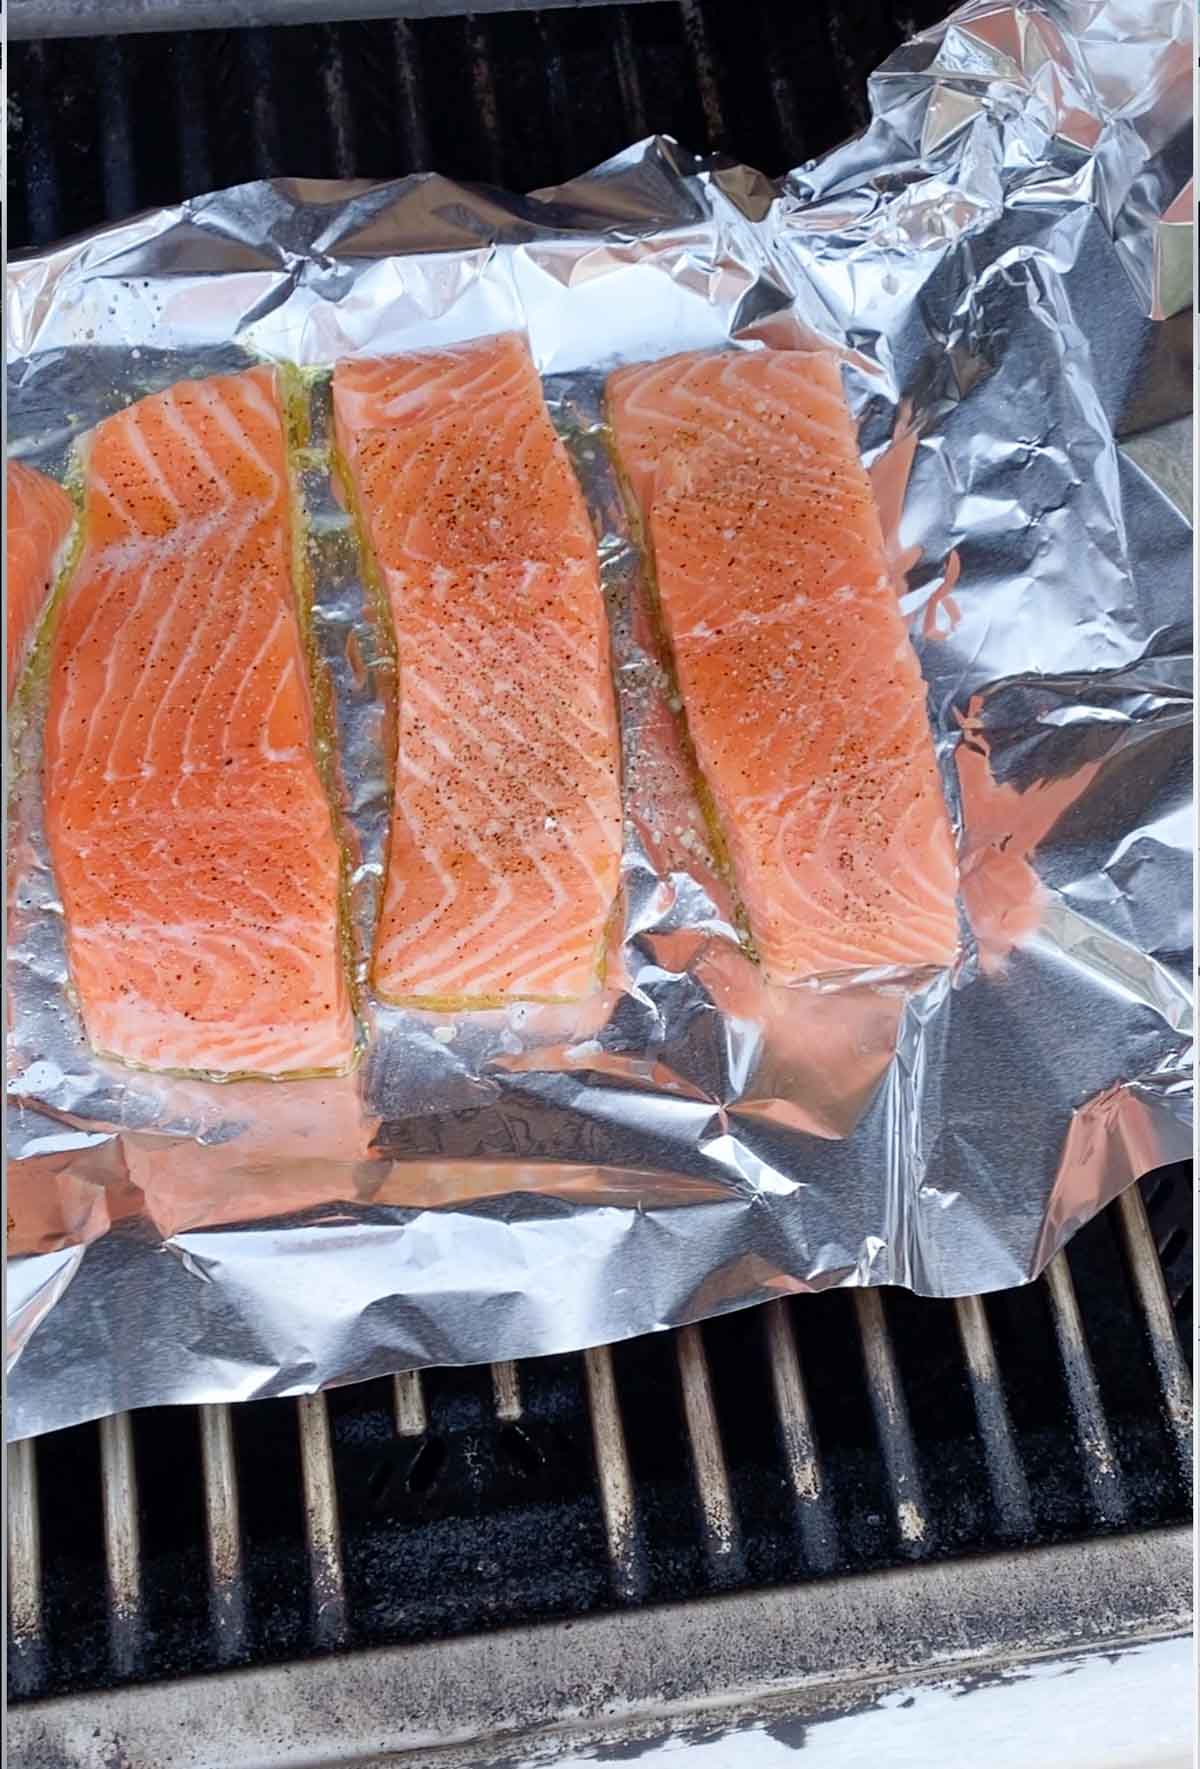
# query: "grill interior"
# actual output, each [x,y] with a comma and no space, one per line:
[99,127]
[821,1435]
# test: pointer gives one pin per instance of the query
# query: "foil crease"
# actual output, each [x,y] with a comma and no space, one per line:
[989,258]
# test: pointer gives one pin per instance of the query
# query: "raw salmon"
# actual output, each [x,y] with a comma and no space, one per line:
[38,522]
[506,824]
[803,697]
[193,843]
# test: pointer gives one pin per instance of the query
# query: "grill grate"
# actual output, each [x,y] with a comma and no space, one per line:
[826,1434]
[99,127]
[817,1440]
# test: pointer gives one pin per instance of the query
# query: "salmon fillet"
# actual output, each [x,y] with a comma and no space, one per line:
[506,823]
[193,843]
[803,697]
[38,522]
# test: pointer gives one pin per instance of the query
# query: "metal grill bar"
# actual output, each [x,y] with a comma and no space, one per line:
[257,60]
[322,1526]
[129,1579]
[223,1530]
[704,1436]
[37,161]
[557,97]
[1147,1274]
[817,1526]
[783,95]
[116,147]
[892,1423]
[1010,1489]
[414,129]
[408,1401]
[613,1474]
[835,25]
[772,1645]
[705,68]
[195,160]
[483,86]
[506,1387]
[25,1618]
[629,80]
[85,18]
[122,1540]
[1101,1469]
[337,103]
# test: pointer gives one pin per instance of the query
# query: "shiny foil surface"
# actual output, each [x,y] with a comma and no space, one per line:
[998,260]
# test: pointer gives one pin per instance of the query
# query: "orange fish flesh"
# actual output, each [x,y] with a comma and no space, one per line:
[193,843]
[506,823]
[803,697]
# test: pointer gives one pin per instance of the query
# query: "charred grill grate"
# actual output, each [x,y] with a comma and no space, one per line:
[99,127]
[830,1434]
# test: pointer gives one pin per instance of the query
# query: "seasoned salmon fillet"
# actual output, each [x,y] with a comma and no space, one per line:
[192,840]
[39,516]
[506,823]
[803,697]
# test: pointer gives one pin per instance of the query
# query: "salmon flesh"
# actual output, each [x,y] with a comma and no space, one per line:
[192,839]
[803,697]
[506,824]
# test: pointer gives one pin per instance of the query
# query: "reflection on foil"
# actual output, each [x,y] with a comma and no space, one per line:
[1174,255]
[1111,1139]
[988,258]
[52,1202]
[1003,896]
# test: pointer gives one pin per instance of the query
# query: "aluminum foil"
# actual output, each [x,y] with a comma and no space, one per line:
[989,258]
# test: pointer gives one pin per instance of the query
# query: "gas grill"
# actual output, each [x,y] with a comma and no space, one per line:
[100,126]
[867,1488]
[786,1514]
